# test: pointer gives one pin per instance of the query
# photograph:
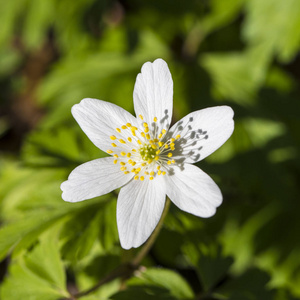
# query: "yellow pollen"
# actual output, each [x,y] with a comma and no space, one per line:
[133,133]
[170,154]
[118,130]
[148,136]
[159,172]
[116,156]
[123,153]
[172,140]
[139,142]
[146,173]
[160,144]
[113,144]
[133,150]
[141,117]
[109,151]
[177,136]
[144,164]
[142,178]
[128,154]
[143,134]
[166,146]
[115,161]
[112,137]
[151,178]
[164,173]
[173,161]
[169,162]
[136,177]
[122,163]
[155,119]
[157,152]
[126,172]
[133,163]
[152,173]
[155,140]
[133,170]
[146,129]
[122,141]
[128,125]
[160,136]
[129,139]
[145,124]
[123,168]
[123,127]
[153,146]
[163,131]
[156,157]
[138,169]
[133,128]
[158,167]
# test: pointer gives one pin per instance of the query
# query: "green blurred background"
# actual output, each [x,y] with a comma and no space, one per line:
[242,53]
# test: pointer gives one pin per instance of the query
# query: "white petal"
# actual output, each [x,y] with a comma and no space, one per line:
[153,93]
[193,191]
[202,132]
[99,120]
[139,208]
[92,179]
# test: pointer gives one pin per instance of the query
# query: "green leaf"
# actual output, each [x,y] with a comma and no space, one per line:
[44,260]
[167,279]
[22,283]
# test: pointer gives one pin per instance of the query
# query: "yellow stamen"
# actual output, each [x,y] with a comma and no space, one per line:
[112,137]
[148,136]
[115,161]
[123,153]
[123,127]
[155,119]
[163,131]
[146,129]
[116,156]
[151,178]
[170,154]
[122,141]
[128,154]
[152,173]
[109,151]
[113,144]
[141,117]
[118,130]
[136,177]
[177,136]
[128,125]
[139,142]
[122,163]
[142,178]
[123,168]
[159,172]
[156,157]
[164,173]
[160,144]
[145,124]
[129,139]
[158,167]
[126,172]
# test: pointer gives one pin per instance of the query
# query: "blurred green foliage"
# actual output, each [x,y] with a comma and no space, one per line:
[243,53]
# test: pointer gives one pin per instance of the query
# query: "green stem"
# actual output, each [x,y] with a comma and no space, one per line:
[126,270]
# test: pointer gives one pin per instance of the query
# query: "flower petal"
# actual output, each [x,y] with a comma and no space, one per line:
[153,93]
[92,179]
[193,191]
[99,120]
[139,208]
[202,132]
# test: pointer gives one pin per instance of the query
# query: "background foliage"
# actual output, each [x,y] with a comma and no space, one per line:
[243,53]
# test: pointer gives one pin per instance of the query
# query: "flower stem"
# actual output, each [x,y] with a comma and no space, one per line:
[136,261]
[126,270]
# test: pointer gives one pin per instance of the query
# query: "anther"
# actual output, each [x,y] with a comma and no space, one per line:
[122,141]
[128,125]
[115,161]
[142,178]
[113,144]
[123,153]
[129,139]
[112,137]
[136,177]
[128,154]
[123,127]
[156,158]
[170,154]
[151,178]
[155,119]
[122,163]
[116,156]
[109,151]
[164,172]
[141,117]
[177,136]
[118,130]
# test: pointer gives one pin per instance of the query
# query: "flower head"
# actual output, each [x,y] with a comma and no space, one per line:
[149,160]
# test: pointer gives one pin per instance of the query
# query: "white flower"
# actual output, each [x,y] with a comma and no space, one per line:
[149,160]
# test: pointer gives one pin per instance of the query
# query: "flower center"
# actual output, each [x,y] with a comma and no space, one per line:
[145,152]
